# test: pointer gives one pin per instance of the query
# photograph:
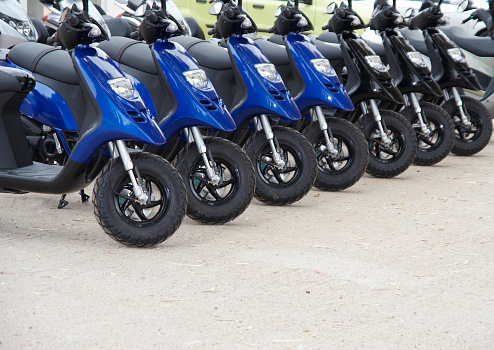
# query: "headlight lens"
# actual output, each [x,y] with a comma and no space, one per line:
[302,22]
[323,66]
[375,62]
[456,54]
[267,71]
[172,27]
[246,24]
[95,31]
[122,87]
[416,58]
[197,78]
[356,21]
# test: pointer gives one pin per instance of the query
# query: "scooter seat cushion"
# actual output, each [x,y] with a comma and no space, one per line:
[480,46]
[207,54]
[130,52]
[328,37]
[44,60]
[416,39]
[276,53]
[330,51]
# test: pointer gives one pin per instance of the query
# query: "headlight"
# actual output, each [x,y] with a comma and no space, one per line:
[456,54]
[355,21]
[246,24]
[122,87]
[197,78]
[95,31]
[302,23]
[416,58]
[375,62]
[399,20]
[267,71]
[172,27]
[323,66]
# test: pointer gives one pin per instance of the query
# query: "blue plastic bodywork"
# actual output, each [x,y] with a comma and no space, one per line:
[321,90]
[264,96]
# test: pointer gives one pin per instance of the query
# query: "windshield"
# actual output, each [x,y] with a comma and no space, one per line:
[13,9]
[93,12]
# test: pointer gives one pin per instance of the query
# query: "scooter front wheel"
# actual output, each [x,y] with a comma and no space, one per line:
[126,220]
[336,172]
[282,185]
[470,139]
[435,146]
[388,160]
[211,203]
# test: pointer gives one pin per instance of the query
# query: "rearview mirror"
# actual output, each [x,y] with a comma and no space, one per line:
[464,5]
[409,13]
[216,8]
[277,12]
[331,8]
[141,10]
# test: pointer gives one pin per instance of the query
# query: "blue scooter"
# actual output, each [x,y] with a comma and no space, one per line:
[284,160]
[218,174]
[139,198]
[341,149]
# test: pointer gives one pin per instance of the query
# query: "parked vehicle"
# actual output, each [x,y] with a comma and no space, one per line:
[391,140]
[450,69]
[139,198]
[284,160]
[340,147]
[218,174]
[432,124]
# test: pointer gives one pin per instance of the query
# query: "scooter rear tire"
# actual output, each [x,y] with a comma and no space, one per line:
[236,169]
[468,142]
[281,187]
[122,218]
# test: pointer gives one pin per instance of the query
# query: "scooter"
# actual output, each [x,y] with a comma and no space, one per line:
[473,126]
[218,174]
[432,124]
[340,147]
[139,198]
[391,139]
[284,160]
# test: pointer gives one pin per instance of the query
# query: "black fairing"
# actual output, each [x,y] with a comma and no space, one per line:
[408,76]
[156,24]
[342,21]
[455,73]
[364,82]
[230,21]
[289,19]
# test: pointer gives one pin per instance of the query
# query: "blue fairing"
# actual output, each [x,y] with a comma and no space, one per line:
[121,118]
[196,107]
[321,89]
[264,96]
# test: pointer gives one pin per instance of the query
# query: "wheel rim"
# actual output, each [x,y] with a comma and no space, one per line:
[274,176]
[434,139]
[467,134]
[142,215]
[329,164]
[211,194]
[382,153]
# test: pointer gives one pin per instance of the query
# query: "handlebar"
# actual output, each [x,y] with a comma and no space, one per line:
[466,20]
[211,31]
[270,30]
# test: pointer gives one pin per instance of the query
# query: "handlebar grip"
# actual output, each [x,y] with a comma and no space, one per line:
[466,20]
[211,31]
[270,30]
[326,27]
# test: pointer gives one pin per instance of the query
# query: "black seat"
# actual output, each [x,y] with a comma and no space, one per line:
[277,54]
[329,37]
[480,46]
[207,54]
[416,39]
[330,51]
[44,60]
[130,52]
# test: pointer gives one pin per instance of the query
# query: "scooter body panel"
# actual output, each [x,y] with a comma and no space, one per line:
[325,90]
[120,118]
[201,107]
[262,96]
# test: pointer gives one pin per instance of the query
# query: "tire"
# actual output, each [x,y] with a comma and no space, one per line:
[211,204]
[472,140]
[344,170]
[386,162]
[295,180]
[195,28]
[436,146]
[118,216]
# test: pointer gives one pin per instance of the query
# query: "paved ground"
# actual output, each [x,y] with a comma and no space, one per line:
[399,263]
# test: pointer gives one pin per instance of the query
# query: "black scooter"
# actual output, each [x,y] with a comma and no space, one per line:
[391,139]
[473,125]
[432,124]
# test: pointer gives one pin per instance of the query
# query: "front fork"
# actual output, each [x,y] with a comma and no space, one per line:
[418,111]
[377,117]
[262,123]
[459,103]
[119,149]
[193,134]
[318,114]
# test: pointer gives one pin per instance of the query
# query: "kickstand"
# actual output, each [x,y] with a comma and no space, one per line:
[84,197]
[63,203]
